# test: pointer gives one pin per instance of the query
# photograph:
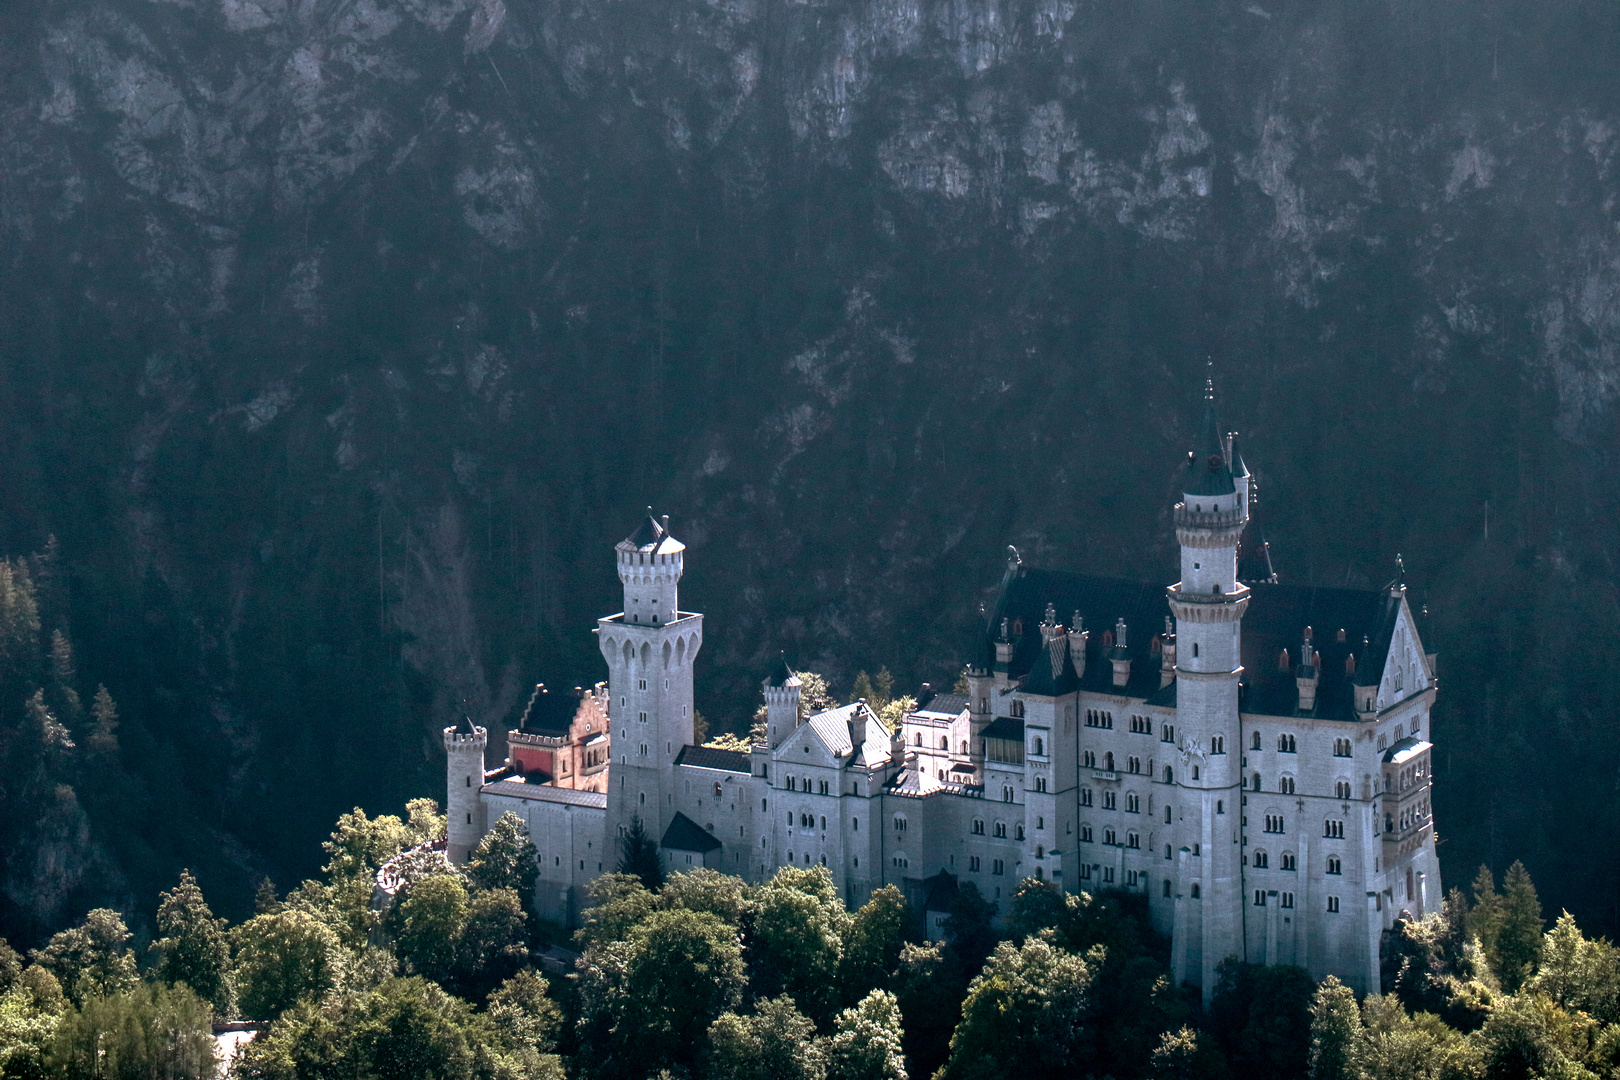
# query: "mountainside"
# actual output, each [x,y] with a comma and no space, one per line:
[340,339]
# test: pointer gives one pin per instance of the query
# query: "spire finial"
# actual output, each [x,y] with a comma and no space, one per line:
[1209,379]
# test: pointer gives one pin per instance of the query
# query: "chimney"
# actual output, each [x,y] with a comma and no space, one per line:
[1119,656]
[1306,679]
[1078,636]
[857,725]
[664,521]
[1283,661]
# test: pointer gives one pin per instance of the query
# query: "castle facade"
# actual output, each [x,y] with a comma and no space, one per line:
[1250,756]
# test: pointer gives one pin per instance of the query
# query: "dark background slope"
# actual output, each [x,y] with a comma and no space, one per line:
[340,339]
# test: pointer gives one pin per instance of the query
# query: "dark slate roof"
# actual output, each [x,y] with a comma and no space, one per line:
[684,834]
[1276,620]
[1052,674]
[1254,556]
[464,726]
[648,534]
[517,789]
[1022,601]
[1207,471]
[709,757]
[1004,727]
[781,673]
[548,713]
[941,890]
[948,704]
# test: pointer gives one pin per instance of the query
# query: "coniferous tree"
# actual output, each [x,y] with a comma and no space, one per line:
[638,856]
[1485,917]
[102,742]
[193,949]
[1335,1026]
[92,959]
[1518,941]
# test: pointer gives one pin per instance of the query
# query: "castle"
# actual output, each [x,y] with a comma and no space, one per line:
[1258,768]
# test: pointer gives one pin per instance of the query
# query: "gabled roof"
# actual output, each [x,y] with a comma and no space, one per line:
[944,705]
[832,731]
[709,757]
[684,834]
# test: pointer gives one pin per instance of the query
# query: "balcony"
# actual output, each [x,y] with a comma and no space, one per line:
[1105,774]
[1187,518]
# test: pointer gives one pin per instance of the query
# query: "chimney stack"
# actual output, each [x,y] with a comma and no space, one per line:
[1078,636]
[1167,661]
[1309,674]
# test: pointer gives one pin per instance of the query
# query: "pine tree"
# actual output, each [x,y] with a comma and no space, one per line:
[638,856]
[1518,942]
[193,949]
[1335,1025]
[1485,918]
[103,739]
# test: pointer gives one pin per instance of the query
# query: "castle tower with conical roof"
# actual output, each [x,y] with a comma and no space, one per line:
[1208,603]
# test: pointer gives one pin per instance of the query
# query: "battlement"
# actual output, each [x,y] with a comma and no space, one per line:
[478,737]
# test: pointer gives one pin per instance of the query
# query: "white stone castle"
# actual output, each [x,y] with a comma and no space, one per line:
[1259,770]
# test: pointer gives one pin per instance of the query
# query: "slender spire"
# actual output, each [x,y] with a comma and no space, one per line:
[1208,472]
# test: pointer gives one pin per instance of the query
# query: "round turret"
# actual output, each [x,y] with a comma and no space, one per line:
[650,565]
[464,746]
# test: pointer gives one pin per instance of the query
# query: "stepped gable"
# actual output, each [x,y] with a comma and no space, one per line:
[549,713]
[1276,619]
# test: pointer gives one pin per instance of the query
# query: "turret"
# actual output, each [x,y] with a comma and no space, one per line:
[782,689]
[464,746]
[1119,656]
[650,565]
[1079,636]
[1167,655]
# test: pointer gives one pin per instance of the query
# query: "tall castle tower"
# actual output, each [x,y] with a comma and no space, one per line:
[464,775]
[782,690]
[649,648]
[1208,603]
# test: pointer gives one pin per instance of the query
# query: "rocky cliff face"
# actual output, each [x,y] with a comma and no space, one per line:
[342,337]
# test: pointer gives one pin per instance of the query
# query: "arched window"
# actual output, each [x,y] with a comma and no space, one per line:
[918,741]
[1195,890]
[1040,747]
[944,743]
[1257,740]
[1167,815]
[1108,761]
[1257,781]
[1169,775]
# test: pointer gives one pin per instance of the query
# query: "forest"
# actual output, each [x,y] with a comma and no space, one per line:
[701,976]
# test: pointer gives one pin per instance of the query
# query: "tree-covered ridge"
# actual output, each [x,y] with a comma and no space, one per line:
[396,965]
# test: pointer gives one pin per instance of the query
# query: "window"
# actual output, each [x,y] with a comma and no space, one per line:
[1040,746]
[1133,840]
[1167,888]
[1260,860]
[1341,747]
[1167,733]
[1259,898]
[1169,775]
[944,743]
[1195,890]
[1017,708]
[1001,829]
[973,863]
[823,823]
[823,787]
[1085,873]
[1195,654]
[1133,803]
[1040,822]
[1167,815]
[1257,740]
[1109,800]
[1133,765]
[1220,806]
[1257,781]
[1085,796]
[1109,838]
[1334,829]
[1289,862]
[978,826]
[1090,759]
[1285,744]
[1274,823]
[1341,789]
[1108,761]
[1006,794]
[1333,903]
[1141,725]
[899,860]
[1108,875]
[1334,866]
[1217,744]
[1287,899]
[996,866]
[899,823]
[1286,785]
[1167,854]
[1085,834]
[1040,783]
[854,823]
[1133,878]
[1018,831]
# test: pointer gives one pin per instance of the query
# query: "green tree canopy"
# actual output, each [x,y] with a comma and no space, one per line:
[1027,1015]
[93,958]
[868,1043]
[638,856]
[872,943]
[492,946]
[283,959]
[708,890]
[433,917]
[618,902]
[142,1032]
[193,949]
[797,940]
[505,859]
[776,1042]
[1578,973]
[1335,1026]
[1518,942]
